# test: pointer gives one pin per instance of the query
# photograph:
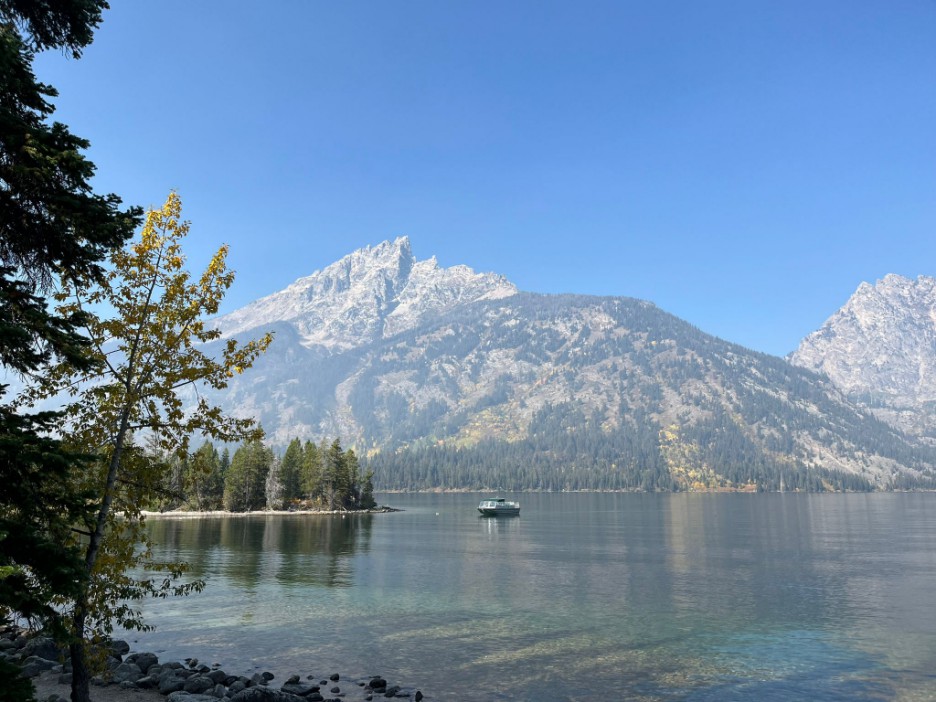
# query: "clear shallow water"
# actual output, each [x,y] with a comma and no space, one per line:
[583,597]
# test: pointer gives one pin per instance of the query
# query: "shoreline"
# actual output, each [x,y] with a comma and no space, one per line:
[142,676]
[192,514]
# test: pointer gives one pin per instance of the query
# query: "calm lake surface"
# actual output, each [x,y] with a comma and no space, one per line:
[582,597]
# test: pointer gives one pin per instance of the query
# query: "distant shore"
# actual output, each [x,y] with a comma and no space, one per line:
[186,514]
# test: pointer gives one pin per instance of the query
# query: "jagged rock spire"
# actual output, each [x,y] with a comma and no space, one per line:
[366,295]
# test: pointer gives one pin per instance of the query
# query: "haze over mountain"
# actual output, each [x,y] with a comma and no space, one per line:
[444,377]
[880,350]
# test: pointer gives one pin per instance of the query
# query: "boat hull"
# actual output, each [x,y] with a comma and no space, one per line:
[501,512]
[498,507]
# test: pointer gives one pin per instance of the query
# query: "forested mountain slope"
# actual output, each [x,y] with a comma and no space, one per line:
[475,385]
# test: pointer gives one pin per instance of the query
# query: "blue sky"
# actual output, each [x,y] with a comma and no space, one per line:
[744,165]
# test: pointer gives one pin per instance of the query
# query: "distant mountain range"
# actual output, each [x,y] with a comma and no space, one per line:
[448,378]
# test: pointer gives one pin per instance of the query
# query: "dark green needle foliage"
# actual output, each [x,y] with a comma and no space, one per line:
[51,226]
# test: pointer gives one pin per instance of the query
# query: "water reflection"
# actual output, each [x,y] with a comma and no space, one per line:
[499,525]
[295,550]
[645,597]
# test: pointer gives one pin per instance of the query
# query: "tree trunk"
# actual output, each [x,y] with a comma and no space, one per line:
[81,680]
[80,674]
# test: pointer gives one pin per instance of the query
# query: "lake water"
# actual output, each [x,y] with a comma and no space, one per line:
[583,597]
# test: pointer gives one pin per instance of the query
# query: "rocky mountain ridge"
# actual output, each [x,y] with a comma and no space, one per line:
[880,350]
[450,378]
[369,294]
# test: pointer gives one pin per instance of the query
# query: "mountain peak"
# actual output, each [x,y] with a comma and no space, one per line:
[879,345]
[370,293]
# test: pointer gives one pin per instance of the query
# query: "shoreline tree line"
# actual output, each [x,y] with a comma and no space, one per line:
[309,476]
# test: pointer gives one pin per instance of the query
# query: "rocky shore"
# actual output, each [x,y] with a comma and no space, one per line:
[142,677]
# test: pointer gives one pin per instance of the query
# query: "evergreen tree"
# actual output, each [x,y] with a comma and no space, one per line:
[311,479]
[225,464]
[333,475]
[51,226]
[291,471]
[214,483]
[367,491]
[245,482]
[204,482]
[350,489]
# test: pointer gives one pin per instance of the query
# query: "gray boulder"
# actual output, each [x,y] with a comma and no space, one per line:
[148,683]
[144,660]
[126,672]
[119,648]
[217,676]
[169,682]
[199,684]
[43,647]
[262,693]
[34,666]
[299,688]
[190,697]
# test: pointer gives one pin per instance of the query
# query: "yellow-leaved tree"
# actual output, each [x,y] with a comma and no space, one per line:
[150,363]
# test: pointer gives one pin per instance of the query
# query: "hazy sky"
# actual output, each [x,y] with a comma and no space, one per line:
[744,165]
